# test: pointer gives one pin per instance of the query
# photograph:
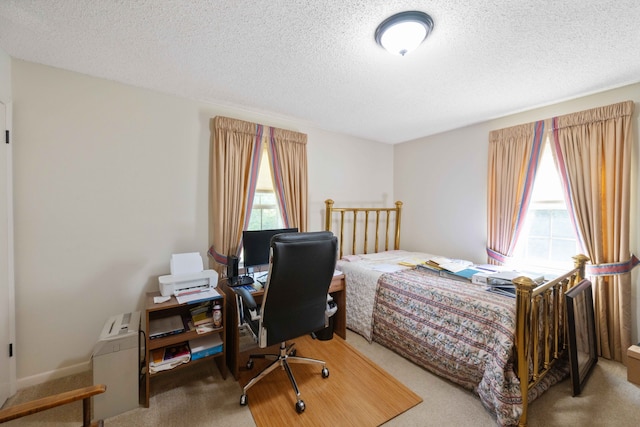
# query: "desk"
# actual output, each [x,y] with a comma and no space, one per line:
[236,359]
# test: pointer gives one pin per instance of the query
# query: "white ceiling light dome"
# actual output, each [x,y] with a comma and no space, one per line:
[404,31]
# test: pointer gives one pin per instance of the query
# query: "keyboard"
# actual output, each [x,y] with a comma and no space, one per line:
[241,281]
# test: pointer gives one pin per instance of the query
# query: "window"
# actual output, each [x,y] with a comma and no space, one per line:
[548,239]
[265,214]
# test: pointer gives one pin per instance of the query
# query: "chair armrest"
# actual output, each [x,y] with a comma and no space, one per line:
[247,298]
[38,405]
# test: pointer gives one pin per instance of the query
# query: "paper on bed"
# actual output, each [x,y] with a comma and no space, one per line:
[454,265]
[389,268]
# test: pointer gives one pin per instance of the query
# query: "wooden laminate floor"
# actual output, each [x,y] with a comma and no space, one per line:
[356,393]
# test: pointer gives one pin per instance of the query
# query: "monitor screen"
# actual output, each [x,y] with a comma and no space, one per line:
[256,245]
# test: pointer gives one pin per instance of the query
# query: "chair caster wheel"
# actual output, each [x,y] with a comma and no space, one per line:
[250,364]
[325,372]
[300,406]
[243,400]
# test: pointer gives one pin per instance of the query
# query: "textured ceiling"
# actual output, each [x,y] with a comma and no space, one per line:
[318,61]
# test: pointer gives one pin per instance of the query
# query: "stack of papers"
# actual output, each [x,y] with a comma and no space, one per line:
[205,346]
[166,358]
[197,296]
[452,265]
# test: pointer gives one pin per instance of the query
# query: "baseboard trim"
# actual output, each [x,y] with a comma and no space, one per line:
[52,375]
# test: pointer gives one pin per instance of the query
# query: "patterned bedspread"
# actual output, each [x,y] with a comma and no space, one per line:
[454,329]
[361,274]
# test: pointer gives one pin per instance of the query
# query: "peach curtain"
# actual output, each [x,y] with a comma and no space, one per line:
[234,162]
[236,148]
[514,154]
[288,158]
[593,154]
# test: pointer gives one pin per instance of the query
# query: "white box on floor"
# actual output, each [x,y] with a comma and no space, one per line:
[116,363]
[633,364]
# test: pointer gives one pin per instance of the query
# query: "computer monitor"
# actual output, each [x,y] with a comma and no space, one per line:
[256,245]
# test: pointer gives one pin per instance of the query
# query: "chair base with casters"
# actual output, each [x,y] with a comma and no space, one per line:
[286,356]
[294,302]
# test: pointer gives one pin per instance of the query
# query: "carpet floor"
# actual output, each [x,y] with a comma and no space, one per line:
[197,396]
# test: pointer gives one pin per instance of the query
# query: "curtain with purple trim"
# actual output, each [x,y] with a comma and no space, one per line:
[592,150]
[514,154]
[236,147]
[288,159]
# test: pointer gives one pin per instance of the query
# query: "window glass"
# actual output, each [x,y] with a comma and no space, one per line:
[265,214]
[548,240]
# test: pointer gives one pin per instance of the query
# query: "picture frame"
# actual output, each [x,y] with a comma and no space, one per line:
[581,330]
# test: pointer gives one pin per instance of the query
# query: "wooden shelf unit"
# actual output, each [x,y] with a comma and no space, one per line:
[171,308]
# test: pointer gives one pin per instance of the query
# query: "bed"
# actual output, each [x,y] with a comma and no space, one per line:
[506,350]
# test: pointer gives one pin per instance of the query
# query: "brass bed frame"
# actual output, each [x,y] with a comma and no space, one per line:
[539,308]
[393,216]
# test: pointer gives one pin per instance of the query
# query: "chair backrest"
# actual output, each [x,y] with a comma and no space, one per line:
[300,273]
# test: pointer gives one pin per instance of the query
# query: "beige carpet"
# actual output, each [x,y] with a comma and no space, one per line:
[199,397]
[357,392]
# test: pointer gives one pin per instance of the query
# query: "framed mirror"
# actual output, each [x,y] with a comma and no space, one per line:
[581,334]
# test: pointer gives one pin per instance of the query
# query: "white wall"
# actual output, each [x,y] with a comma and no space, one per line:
[110,180]
[442,181]
[5,77]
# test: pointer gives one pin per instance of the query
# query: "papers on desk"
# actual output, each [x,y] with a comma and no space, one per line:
[198,296]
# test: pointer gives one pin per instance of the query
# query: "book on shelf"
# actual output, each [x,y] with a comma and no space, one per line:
[201,328]
[166,358]
[201,314]
[205,346]
[165,326]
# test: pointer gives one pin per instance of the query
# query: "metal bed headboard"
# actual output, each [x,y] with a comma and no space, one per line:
[392,219]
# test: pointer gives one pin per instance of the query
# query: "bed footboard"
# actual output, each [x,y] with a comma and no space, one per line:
[541,310]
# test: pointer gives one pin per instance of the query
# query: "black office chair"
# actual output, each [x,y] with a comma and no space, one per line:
[294,301]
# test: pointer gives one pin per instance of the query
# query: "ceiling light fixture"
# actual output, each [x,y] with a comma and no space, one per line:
[404,31]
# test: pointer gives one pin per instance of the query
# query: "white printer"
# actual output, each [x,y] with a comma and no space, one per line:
[185,283]
[187,275]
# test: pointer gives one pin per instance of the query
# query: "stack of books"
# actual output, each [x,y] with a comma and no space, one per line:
[502,281]
[201,316]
